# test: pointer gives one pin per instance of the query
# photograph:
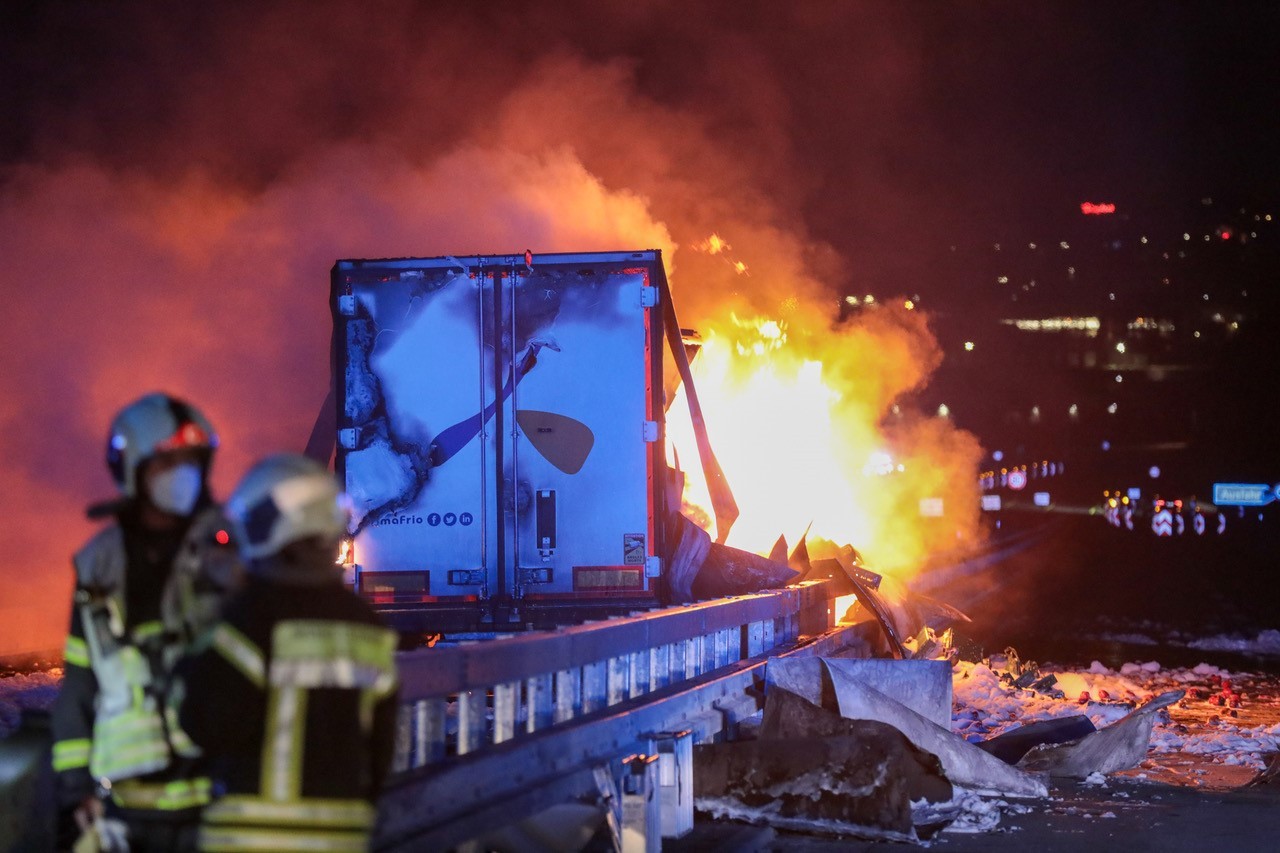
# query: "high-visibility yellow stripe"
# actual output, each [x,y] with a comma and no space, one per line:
[129,744]
[241,839]
[368,647]
[76,652]
[144,630]
[315,812]
[71,754]
[240,653]
[282,747]
[167,796]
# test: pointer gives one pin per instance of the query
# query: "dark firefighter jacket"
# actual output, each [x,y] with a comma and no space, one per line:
[294,702]
[141,598]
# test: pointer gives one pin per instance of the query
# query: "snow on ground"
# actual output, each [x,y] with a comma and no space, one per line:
[1227,719]
[35,690]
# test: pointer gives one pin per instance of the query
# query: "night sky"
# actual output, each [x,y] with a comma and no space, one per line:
[887,128]
[177,178]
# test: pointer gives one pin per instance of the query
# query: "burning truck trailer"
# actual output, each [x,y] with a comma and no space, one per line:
[501,429]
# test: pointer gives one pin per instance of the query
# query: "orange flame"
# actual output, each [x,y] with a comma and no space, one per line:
[804,427]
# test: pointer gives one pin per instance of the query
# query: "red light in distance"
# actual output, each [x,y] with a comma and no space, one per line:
[1090,209]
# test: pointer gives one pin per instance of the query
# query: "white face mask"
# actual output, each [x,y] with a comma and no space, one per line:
[177,489]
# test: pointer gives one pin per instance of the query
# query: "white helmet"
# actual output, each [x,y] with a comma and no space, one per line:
[154,424]
[286,498]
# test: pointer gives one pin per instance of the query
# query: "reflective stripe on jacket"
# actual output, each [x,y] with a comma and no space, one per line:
[127,728]
[307,663]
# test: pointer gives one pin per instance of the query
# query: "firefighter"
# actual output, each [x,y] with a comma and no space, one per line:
[294,697]
[146,586]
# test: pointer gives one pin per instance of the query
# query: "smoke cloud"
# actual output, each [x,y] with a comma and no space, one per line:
[170,225]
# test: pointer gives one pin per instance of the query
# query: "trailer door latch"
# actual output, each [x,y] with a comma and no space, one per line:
[650,430]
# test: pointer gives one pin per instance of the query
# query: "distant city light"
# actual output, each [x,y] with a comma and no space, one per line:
[968,346]
[1197,334]
[944,411]
[868,299]
[1119,378]
[852,300]
[1031,245]
[998,455]
[1113,408]
[1186,236]
[1003,279]
[909,305]
[1154,472]
[1074,411]
[1064,244]
[1088,325]
[1120,347]
[1106,445]
[1144,239]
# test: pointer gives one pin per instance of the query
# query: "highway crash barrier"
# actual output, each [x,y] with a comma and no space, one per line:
[496,731]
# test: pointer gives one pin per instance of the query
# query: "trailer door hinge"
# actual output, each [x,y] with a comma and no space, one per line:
[347,305]
[648,297]
[652,567]
[348,438]
[650,431]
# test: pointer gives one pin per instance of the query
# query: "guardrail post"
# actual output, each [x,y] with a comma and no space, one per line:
[675,781]
[471,722]
[429,732]
[539,699]
[568,702]
[641,818]
[619,679]
[404,728]
[640,670]
[680,660]
[720,651]
[755,639]
[595,686]
[660,666]
[506,710]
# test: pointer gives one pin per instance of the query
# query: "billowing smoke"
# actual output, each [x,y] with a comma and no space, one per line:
[172,226]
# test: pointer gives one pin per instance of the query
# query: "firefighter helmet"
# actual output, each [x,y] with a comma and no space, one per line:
[151,425]
[286,498]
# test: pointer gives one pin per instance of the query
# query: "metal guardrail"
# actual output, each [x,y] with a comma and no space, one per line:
[495,730]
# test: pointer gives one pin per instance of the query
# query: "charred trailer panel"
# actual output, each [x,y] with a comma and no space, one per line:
[500,435]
